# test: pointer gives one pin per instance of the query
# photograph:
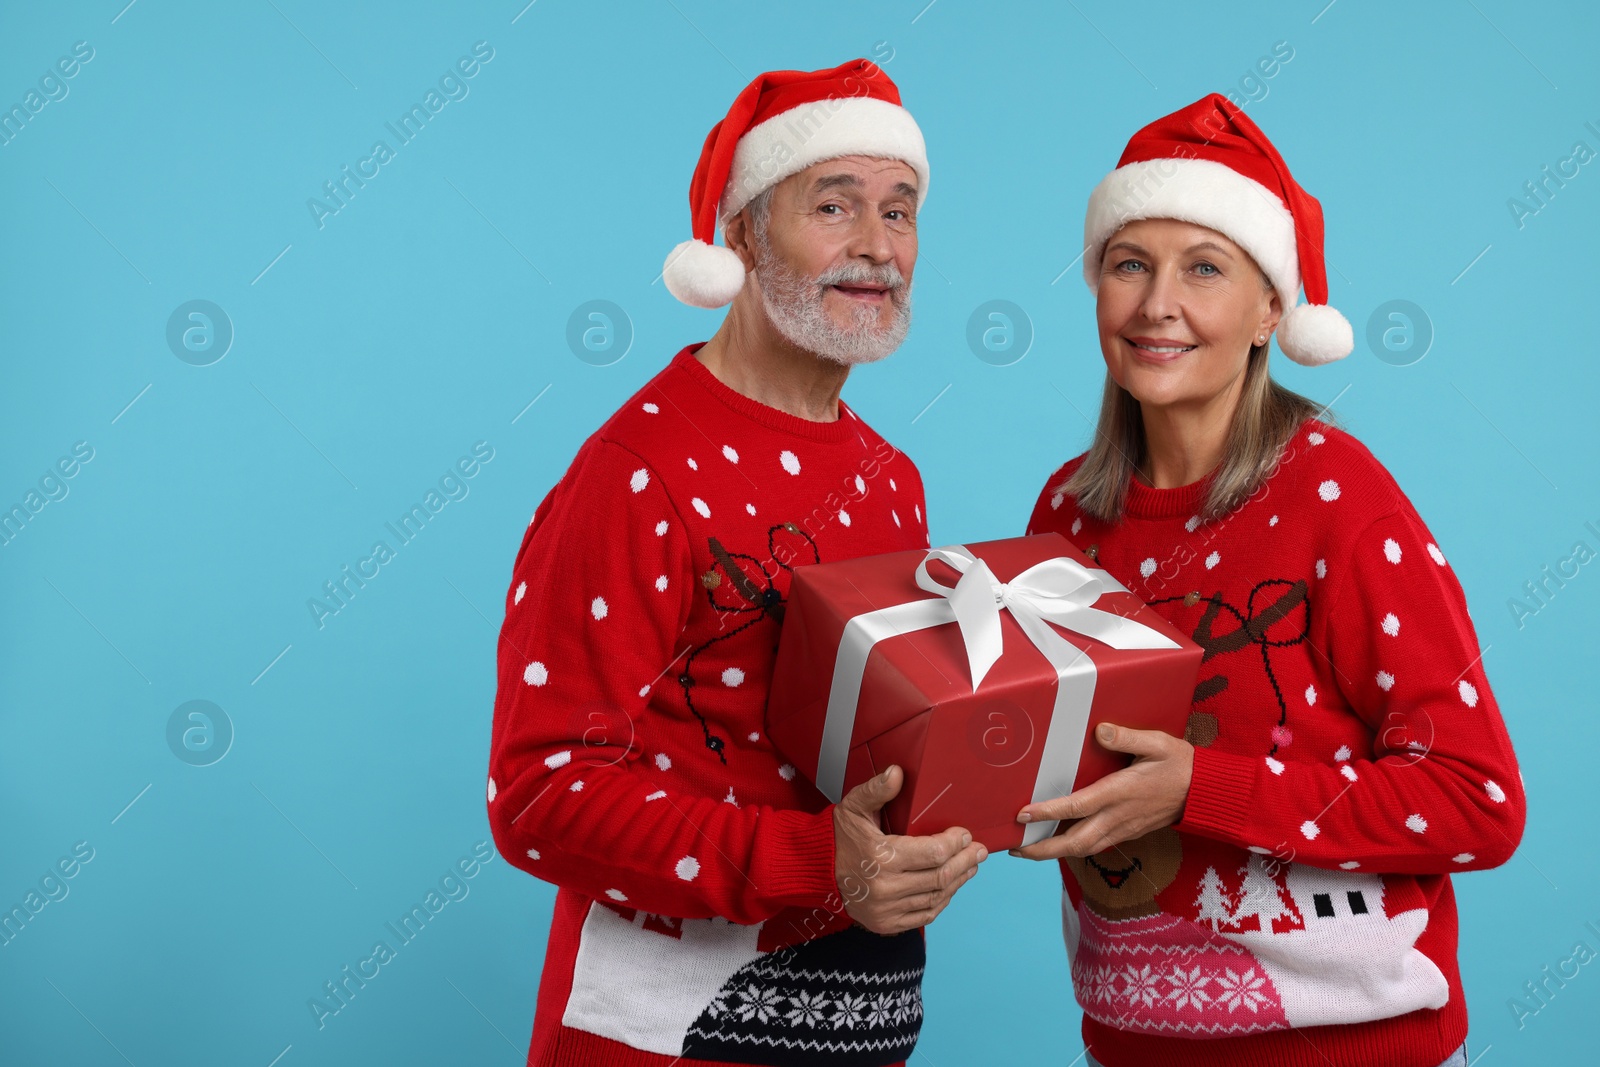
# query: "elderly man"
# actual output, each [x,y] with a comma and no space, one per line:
[714,909]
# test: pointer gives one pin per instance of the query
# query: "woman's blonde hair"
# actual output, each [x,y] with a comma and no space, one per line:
[1267,417]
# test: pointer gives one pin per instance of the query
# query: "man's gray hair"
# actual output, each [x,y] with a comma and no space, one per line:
[760,208]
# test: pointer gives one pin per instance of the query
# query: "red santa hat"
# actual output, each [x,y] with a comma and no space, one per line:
[1210,165]
[780,124]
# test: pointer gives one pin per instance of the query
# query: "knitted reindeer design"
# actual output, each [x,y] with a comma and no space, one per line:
[1254,628]
[739,584]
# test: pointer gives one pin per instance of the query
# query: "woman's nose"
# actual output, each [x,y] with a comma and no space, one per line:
[1160,298]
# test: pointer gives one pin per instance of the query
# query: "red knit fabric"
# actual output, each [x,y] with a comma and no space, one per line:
[1350,758]
[629,762]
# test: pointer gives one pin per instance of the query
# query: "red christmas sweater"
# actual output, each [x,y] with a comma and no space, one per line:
[697,920]
[1349,759]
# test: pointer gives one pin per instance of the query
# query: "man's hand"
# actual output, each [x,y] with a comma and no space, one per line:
[1146,795]
[891,884]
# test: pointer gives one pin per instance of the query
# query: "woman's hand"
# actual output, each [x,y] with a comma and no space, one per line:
[1125,804]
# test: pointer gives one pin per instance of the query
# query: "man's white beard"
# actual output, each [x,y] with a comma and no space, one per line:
[794,303]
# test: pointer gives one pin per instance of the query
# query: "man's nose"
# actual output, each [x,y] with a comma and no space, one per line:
[870,238]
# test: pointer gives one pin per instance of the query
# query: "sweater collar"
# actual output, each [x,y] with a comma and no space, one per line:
[839,429]
[1144,501]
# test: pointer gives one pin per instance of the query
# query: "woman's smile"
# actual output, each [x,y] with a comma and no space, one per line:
[1159,350]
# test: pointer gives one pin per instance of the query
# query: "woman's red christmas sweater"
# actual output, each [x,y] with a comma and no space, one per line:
[1349,759]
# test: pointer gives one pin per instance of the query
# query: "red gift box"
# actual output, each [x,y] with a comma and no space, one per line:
[981,670]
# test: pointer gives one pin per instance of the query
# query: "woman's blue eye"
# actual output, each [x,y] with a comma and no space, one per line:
[1130,265]
[1206,269]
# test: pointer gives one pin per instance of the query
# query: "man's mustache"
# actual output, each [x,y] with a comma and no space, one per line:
[888,276]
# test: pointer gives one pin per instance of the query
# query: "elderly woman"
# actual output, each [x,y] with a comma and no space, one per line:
[1274,887]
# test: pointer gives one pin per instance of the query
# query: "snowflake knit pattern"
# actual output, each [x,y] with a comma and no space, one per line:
[698,920]
[1349,757]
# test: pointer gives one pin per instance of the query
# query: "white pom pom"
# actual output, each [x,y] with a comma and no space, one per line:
[702,275]
[1314,334]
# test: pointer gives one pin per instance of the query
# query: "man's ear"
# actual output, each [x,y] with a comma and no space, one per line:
[740,239]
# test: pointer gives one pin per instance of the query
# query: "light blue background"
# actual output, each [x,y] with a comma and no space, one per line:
[433,308]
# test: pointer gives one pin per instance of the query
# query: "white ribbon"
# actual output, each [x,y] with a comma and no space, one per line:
[1060,591]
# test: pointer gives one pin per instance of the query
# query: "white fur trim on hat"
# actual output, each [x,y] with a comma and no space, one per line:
[1314,334]
[702,275]
[1204,193]
[793,140]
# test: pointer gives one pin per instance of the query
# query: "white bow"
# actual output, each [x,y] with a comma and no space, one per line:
[1061,591]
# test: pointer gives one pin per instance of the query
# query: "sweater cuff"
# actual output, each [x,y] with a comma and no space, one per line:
[795,863]
[1221,793]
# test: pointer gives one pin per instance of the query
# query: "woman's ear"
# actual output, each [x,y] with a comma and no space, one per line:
[1273,313]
